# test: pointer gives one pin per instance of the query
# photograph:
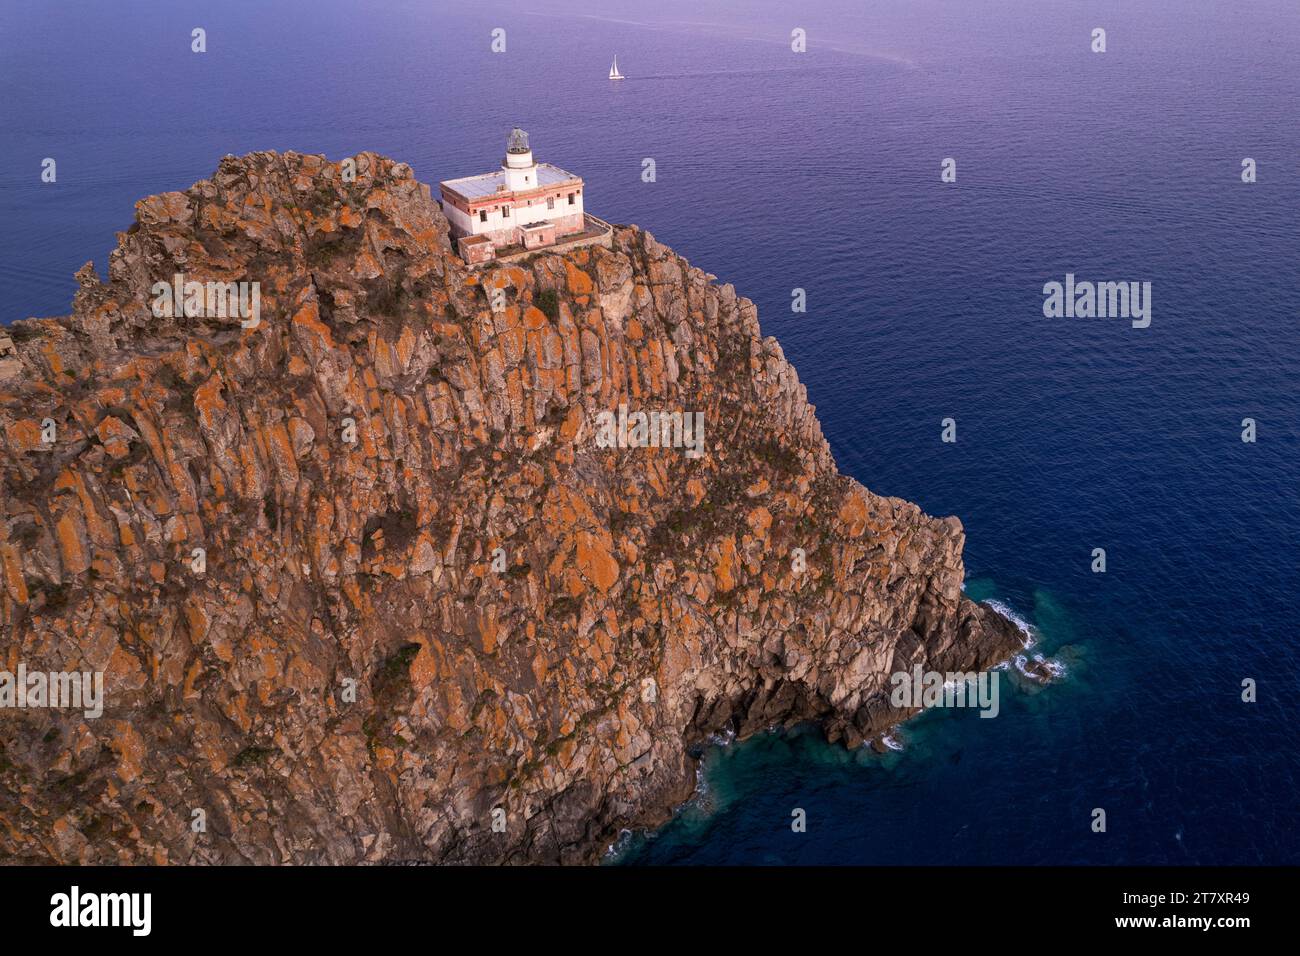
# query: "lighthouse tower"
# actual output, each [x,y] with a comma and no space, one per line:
[520,170]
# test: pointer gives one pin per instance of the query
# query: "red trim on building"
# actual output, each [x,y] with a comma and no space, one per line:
[470,206]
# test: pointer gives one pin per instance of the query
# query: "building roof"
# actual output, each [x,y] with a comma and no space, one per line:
[489,184]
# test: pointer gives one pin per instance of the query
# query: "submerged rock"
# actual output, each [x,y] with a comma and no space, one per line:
[361,582]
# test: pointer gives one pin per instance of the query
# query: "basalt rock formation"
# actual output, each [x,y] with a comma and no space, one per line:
[426,592]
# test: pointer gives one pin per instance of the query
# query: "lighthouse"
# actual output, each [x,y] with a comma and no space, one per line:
[524,205]
[10,364]
[521,171]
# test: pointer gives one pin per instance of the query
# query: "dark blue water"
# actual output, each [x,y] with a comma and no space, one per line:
[821,171]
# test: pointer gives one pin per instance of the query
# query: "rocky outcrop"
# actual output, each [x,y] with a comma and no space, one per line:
[361,580]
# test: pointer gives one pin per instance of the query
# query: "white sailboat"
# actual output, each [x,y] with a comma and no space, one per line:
[613,70]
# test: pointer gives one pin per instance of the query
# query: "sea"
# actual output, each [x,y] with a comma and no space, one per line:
[821,169]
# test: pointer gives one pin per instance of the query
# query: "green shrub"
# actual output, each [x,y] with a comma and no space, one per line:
[548,300]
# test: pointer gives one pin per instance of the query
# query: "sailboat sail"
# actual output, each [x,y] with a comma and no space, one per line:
[613,71]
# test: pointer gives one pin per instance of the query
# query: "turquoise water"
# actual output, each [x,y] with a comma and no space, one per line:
[748,790]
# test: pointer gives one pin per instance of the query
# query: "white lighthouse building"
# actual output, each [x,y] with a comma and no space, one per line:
[10,364]
[524,203]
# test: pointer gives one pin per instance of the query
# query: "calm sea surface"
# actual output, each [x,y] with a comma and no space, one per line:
[820,171]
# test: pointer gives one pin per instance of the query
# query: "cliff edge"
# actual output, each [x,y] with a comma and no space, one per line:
[367,581]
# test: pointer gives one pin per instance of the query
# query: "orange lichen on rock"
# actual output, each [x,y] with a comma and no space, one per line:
[352,646]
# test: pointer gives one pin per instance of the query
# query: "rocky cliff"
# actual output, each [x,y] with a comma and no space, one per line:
[363,583]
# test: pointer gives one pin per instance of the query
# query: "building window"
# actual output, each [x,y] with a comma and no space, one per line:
[482,215]
[505,212]
[550,202]
[570,199]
